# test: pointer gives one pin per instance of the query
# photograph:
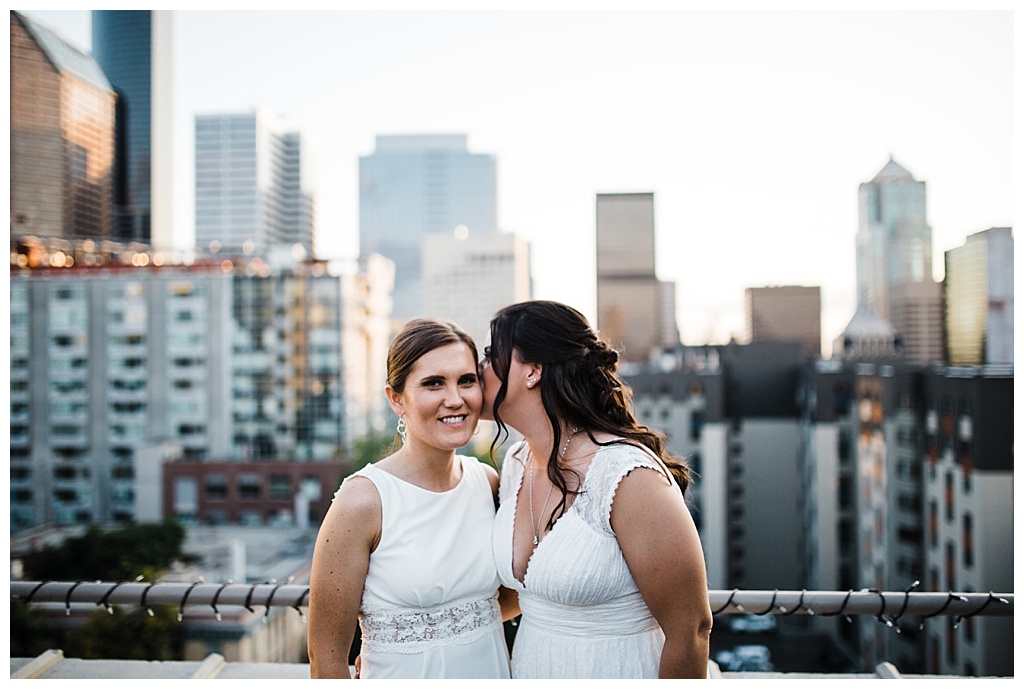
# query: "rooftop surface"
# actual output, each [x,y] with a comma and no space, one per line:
[53,665]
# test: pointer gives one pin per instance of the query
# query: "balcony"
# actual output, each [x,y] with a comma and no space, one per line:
[198,598]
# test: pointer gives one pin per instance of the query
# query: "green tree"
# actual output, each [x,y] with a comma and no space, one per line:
[115,555]
[126,634]
[371,448]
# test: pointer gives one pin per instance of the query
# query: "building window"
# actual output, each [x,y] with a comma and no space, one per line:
[933,523]
[250,518]
[216,487]
[311,488]
[966,466]
[949,496]
[696,425]
[950,566]
[249,487]
[280,487]
[968,539]
[950,640]
[186,498]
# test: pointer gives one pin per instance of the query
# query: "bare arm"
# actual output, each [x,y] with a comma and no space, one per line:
[341,559]
[508,599]
[660,544]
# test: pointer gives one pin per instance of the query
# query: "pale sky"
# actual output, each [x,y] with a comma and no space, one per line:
[753,129]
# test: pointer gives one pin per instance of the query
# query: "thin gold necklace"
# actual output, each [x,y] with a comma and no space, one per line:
[533,521]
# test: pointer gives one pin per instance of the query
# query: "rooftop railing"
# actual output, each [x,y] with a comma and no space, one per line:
[888,607]
[199,598]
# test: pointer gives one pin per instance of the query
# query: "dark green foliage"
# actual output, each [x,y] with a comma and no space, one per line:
[130,633]
[371,448]
[126,633]
[31,632]
[117,555]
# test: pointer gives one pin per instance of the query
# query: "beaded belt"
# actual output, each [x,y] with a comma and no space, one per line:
[411,630]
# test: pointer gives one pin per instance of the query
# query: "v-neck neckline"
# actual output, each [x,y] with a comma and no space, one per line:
[541,540]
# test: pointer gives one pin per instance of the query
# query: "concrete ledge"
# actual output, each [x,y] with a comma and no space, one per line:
[211,667]
[39,665]
[888,671]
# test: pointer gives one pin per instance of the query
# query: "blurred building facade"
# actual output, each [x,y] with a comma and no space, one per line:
[731,411]
[493,270]
[916,309]
[879,511]
[979,299]
[365,338]
[635,310]
[133,47]
[894,260]
[862,472]
[248,493]
[237,360]
[252,184]
[894,241]
[414,186]
[785,313]
[62,137]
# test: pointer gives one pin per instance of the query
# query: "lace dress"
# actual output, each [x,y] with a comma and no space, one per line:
[429,606]
[583,616]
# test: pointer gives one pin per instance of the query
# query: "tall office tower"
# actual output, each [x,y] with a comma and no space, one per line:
[785,313]
[631,300]
[979,299]
[62,137]
[916,309]
[252,189]
[414,186]
[894,241]
[228,360]
[494,268]
[133,47]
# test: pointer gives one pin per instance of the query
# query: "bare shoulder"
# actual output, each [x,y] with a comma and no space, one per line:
[643,492]
[356,508]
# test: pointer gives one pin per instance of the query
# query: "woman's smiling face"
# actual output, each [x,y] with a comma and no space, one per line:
[442,398]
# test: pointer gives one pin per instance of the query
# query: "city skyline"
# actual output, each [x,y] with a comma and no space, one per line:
[752,129]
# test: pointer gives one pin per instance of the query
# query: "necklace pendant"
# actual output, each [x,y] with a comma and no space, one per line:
[536,540]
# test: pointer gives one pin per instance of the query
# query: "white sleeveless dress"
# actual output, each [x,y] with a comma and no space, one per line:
[583,616]
[429,606]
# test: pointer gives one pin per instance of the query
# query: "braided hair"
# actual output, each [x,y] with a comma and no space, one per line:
[579,386]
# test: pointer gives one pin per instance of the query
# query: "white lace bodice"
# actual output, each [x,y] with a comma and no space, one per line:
[583,615]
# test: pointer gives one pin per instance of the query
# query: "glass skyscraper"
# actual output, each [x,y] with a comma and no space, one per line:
[414,186]
[979,299]
[894,241]
[252,186]
[133,47]
[62,137]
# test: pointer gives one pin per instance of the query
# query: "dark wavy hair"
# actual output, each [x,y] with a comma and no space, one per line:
[579,385]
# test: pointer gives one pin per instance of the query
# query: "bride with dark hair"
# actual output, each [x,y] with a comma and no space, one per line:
[592,530]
